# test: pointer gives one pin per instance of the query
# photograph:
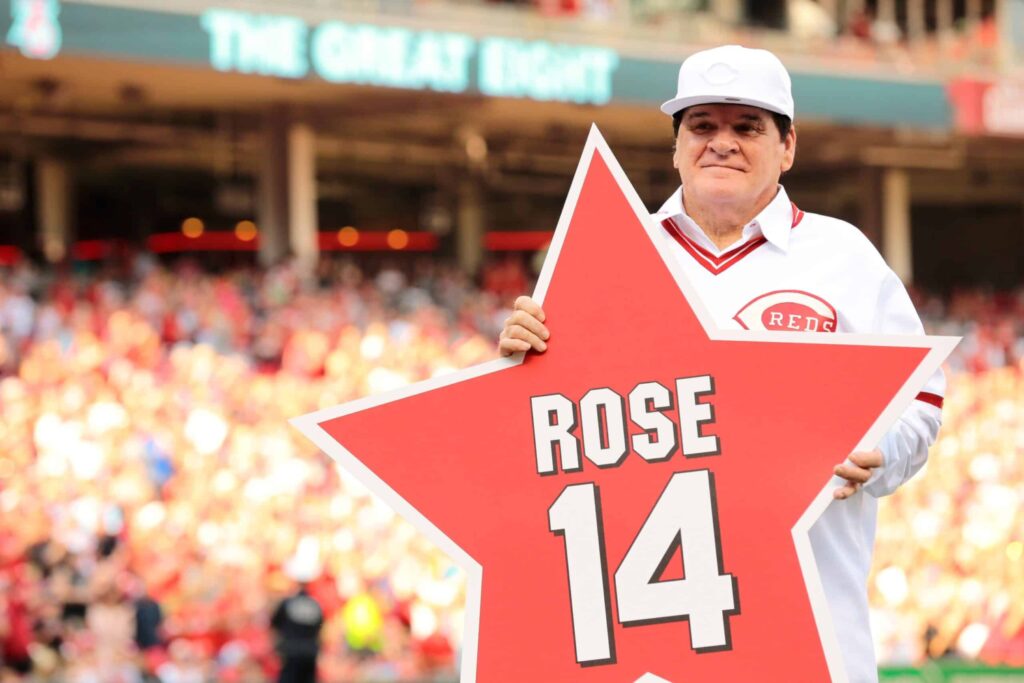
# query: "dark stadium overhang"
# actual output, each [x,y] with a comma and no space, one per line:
[517,61]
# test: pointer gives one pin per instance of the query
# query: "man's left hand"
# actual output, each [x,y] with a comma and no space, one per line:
[856,471]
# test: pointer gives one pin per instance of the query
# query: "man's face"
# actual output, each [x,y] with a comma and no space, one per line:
[731,154]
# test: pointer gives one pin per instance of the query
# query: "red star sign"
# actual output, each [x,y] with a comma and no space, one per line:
[634,503]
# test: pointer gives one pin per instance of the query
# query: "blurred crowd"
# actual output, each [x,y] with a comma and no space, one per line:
[949,561]
[154,501]
[147,467]
[862,34]
[991,325]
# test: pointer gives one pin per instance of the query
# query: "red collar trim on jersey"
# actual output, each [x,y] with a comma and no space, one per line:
[717,264]
[798,214]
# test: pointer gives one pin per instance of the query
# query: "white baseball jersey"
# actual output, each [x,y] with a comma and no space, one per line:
[800,271]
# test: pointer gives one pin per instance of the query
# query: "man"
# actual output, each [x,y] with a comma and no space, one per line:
[758,262]
[297,622]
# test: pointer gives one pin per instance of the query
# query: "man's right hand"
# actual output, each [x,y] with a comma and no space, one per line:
[524,329]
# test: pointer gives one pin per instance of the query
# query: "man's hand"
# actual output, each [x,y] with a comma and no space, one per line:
[524,329]
[857,471]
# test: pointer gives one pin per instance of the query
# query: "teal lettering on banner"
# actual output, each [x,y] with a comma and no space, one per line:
[256,44]
[392,57]
[399,57]
[543,71]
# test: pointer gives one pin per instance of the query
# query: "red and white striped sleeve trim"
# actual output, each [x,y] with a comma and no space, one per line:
[933,399]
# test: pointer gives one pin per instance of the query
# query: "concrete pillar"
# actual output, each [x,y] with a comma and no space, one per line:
[730,11]
[850,8]
[287,217]
[54,202]
[870,204]
[1010,21]
[915,21]
[896,237]
[887,10]
[303,224]
[832,8]
[272,216]
[470,227]
[973,13]
[886,30]
[944,21]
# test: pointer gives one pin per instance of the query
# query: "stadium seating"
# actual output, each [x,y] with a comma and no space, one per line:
[145,452]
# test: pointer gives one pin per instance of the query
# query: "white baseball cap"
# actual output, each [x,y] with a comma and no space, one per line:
[732,74]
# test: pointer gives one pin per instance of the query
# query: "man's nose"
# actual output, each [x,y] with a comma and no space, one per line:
[723,143]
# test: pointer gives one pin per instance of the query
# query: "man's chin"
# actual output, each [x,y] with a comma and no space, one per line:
[717,192]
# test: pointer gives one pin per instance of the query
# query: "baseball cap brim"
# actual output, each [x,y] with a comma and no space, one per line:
[679,103]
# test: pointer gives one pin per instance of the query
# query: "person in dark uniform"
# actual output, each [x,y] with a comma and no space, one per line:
[297,622]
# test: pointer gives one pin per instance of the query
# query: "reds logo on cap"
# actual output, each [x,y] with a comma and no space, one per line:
[788,311]
[733,74]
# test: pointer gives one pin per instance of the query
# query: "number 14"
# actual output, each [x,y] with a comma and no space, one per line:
[684,516]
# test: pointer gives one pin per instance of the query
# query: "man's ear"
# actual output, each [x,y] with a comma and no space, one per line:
[789,155]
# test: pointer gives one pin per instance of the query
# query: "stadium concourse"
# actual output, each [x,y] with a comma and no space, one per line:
[145,460]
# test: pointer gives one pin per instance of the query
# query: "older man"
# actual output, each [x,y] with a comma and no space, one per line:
[759,262]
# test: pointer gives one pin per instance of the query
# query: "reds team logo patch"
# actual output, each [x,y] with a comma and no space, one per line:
[788,310]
